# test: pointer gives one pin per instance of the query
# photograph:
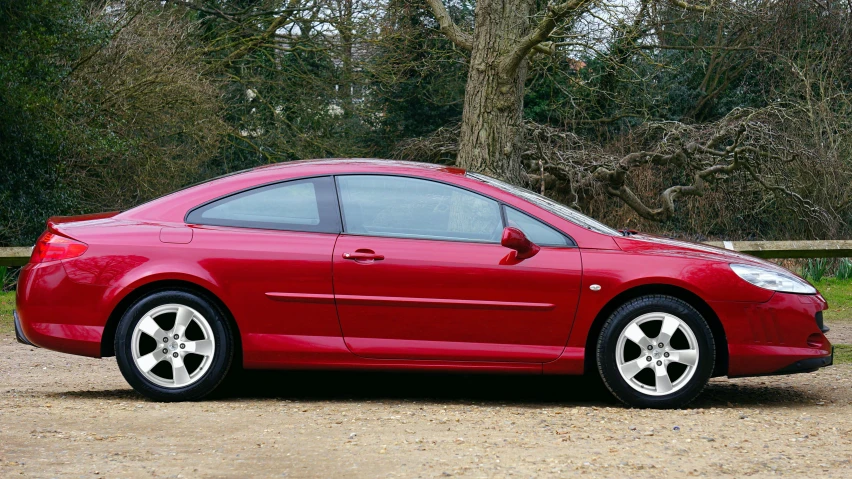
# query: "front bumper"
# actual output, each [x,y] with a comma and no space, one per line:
[808,365]
[780,336]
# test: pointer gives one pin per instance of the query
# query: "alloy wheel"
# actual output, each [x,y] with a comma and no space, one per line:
[173,345]
[657,354]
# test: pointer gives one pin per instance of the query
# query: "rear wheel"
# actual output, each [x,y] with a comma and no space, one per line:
[173,346]
[656,351]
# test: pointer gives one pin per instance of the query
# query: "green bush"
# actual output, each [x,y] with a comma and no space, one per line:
[41,40]
[815,268]
[8,278]
[844,269]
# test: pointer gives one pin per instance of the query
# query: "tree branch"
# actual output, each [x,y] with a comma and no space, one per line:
[691,6]
[719,161]
[555,14]
[458,36]
[232,16]
[753,146]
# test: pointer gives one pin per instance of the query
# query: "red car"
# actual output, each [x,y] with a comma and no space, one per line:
[371,264]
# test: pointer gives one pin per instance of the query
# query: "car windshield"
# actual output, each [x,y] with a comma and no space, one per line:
[558,209]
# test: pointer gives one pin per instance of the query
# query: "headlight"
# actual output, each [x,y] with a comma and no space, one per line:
[769,279]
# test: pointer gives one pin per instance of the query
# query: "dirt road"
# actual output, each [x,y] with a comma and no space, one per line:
[62,415]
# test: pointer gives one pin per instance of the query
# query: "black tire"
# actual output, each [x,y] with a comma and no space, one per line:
[607,351]
[206,382]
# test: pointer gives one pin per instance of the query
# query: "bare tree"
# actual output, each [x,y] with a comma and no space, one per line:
[506,33]
[771,149]
[759,146]
[143,116]
[502,39]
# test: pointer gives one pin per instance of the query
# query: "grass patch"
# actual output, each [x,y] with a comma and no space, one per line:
[843,354]
[7,304]
[838,293]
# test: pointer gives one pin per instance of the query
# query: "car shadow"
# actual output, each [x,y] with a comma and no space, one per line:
[517,390]
[738,393]
[443,388]
[428,387]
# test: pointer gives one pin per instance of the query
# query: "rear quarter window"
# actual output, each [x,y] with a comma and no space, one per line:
[298,205]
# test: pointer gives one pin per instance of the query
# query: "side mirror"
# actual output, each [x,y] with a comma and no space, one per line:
[515,239]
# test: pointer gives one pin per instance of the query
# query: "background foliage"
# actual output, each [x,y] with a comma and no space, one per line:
[104,105]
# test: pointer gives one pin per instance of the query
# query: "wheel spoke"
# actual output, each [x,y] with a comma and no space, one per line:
[176,346]
[632,368]
[685,356]
[663,381]
[182,319]
[668,329]
[656,355]
[150,327]
[148,361]
[203,347]
[179,372]
[635,334]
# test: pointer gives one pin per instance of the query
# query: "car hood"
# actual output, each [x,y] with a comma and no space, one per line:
[658,245]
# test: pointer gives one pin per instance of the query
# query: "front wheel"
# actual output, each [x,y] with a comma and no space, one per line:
[656,352]
[173,346]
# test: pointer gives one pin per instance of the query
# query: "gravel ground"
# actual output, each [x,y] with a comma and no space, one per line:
[841,333]
[62,415]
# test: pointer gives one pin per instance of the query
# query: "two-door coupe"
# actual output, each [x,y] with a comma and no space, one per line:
[375,264]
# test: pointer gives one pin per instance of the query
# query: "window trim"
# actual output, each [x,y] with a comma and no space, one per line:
[502,205]
[332,197]
[570,241]
[495,183]
[341,227]
[412,177]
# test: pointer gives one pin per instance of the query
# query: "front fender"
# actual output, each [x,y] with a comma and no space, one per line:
[617,272]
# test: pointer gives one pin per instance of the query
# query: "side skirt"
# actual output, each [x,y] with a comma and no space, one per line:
[274,351]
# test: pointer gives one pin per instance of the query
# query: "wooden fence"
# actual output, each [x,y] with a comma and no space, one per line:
[790,249]
[15,256]
[18,256]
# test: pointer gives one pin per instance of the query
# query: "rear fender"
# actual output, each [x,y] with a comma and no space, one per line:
[137,279]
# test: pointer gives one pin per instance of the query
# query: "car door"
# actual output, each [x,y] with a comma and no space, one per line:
[269,248]
[419,273]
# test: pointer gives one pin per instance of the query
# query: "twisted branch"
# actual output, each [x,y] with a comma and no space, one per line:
[574,170]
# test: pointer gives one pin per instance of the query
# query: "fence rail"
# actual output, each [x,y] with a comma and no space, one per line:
[19,255]
[15,256]
[790,249]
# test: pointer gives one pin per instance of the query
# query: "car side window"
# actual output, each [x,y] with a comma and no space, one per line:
[404,207]
[299,205]
[538,232]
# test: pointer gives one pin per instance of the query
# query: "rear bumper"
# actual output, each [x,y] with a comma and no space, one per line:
[19,333]
[53,312]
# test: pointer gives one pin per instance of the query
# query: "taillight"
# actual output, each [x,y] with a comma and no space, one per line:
[52,247]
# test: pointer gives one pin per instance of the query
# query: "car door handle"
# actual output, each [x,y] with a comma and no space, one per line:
[363,256]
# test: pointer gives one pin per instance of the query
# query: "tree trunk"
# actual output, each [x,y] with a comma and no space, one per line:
[344,23]
[491,126]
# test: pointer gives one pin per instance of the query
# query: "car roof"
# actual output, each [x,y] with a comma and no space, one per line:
[371,163]
[173,207]
[271,173]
